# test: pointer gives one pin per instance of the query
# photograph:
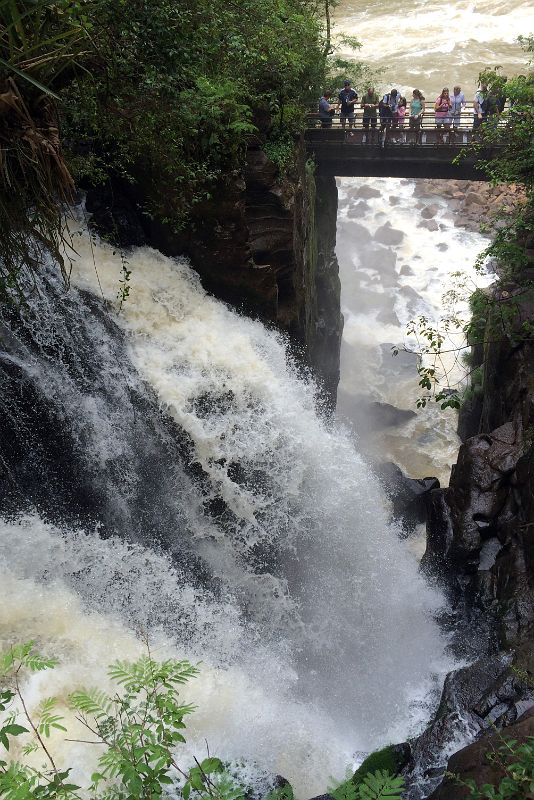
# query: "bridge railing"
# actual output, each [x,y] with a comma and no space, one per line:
[431,131]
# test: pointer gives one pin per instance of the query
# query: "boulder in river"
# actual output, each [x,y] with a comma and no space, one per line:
[429,224]
[385,415]
[429,211]
[367,192]
[388,235]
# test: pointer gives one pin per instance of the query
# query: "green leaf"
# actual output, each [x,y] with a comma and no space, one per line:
[210,765]
[14,729]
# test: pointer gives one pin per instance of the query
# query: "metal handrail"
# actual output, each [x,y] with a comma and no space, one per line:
[428,119]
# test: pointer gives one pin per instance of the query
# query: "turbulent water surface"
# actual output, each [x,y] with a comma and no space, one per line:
[428,44]
[168,476]
[269,555]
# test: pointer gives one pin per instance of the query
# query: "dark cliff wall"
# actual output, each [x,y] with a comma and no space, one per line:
[480,537]
[481,531]
[262,244]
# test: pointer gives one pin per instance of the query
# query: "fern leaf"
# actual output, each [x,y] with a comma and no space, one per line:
[93,702]
[381,785]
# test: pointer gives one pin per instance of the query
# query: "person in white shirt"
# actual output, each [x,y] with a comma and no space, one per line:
[457,106]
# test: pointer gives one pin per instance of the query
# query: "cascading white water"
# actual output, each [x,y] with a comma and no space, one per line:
[315,630]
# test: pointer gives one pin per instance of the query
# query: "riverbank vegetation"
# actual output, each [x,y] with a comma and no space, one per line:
[163,95]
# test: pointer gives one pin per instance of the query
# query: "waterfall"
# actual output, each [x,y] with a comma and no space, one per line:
[165,470]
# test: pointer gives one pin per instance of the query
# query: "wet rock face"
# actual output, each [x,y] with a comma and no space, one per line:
[480,533]
[265,246]
[409,496]
[487,695]
[479,539]
[475,762]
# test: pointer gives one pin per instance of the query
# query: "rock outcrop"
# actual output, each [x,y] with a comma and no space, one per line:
[477,762]
[263,244]
[480,540]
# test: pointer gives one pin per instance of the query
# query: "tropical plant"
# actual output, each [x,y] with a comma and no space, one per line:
[516,761]
[139,727]
[39,43]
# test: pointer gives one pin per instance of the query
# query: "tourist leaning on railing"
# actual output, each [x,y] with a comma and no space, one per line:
[326,111]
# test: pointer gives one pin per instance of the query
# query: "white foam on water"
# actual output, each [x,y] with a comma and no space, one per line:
[413,274]
[303,633]
[416,43]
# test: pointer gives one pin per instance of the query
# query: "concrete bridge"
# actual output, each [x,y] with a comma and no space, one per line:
[394,152]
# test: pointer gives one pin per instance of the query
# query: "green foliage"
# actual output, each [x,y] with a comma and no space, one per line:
[380,785]
[376,785]
[39,44]
[384,759]
[517,762]
[281,151]
[140,726]
[171,91]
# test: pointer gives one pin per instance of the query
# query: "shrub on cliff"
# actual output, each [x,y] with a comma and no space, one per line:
[170,92]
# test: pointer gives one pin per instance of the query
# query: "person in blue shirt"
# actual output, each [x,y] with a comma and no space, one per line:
[326,111]
[348,99]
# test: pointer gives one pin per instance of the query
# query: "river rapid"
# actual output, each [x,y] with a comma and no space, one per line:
[394,269]
[427,45]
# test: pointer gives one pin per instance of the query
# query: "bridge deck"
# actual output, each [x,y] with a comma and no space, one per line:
[395,152]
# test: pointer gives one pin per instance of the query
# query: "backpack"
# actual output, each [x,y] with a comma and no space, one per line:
[384,106]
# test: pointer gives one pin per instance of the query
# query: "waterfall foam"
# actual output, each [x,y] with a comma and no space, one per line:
[284,576]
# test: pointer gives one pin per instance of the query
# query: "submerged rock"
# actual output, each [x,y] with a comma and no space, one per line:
[367,192]
[388,235]
[429,224]
[429,211]
[384,415]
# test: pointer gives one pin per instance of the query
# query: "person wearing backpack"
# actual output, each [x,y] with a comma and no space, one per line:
[369,104]
[387,108]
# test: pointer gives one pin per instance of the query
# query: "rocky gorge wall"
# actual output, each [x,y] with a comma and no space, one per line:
[263,243]
[480,536]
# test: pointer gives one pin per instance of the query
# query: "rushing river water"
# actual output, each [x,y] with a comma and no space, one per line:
[241,529]
[391,277]
[171,475]
[426,44]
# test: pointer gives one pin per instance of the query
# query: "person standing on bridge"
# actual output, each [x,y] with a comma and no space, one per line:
[457,106]
[387,108]
[348,98]
[417,110]
[326,111]
[442,109]
[369,104]
[480,106]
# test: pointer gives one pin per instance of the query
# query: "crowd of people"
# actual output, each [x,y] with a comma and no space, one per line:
[395,112]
